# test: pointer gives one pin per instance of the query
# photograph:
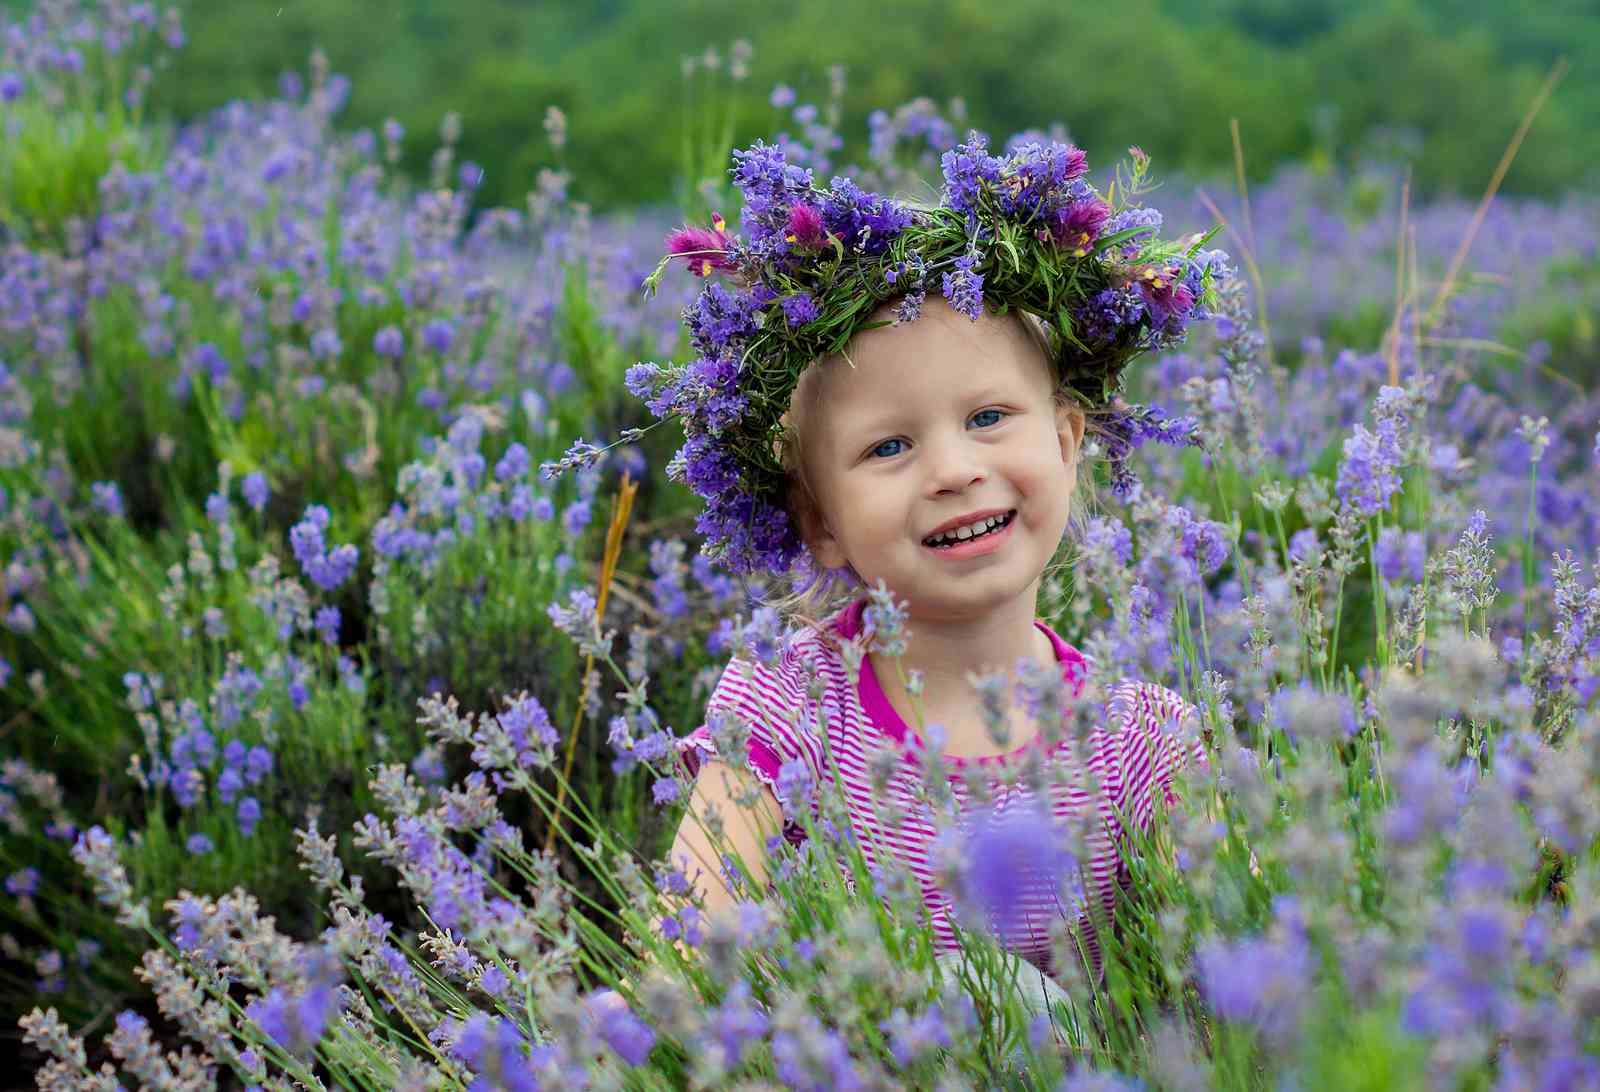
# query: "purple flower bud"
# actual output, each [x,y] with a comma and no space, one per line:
[389,342]
[327,623]
[187,784]
[10,87]
[799,309]
[795,785]
[1304,545]
[963,287]
[199,845]
[258,764]
[254,489]
[437,335]
[108,498]
[229,783]
[249,814]
[761,639]
[575,517]
[624,1033]
[1400,555]
[513,464]
[325,344]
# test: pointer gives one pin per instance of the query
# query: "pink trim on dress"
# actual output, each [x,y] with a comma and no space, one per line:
[890,723]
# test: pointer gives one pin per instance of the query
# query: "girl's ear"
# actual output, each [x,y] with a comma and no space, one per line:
[814,530]
[826,549]
[1070,423]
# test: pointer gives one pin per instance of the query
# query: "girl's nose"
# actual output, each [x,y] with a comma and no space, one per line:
[956,468]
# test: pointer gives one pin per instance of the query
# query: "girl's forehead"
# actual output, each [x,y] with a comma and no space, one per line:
[931,356]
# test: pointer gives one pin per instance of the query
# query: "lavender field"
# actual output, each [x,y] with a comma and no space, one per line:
[336,739]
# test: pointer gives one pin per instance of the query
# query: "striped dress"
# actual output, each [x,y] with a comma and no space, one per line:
[1133,753]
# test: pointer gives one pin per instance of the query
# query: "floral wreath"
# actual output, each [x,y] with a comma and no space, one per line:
[1025,230]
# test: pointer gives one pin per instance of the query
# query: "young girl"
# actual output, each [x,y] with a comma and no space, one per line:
[941,458]
[841,413]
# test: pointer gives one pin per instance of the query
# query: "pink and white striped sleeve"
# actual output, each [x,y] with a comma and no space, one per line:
[1159,733]
[766,698]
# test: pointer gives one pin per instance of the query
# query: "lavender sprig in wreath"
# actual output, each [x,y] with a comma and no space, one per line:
[1025,230]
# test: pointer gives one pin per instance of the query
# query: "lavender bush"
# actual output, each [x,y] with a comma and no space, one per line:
[294,643]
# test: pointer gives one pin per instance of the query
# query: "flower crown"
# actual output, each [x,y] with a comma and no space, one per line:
[1025,230]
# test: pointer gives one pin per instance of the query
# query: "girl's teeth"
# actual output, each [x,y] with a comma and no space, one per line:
[972,530]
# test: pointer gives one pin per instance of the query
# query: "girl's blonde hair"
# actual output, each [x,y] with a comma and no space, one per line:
[815,598]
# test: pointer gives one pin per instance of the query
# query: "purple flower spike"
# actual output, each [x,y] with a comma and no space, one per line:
[624,1032]
[963,287]
[108,498]
[389,342]
[799,309]
[1011,869]
[254,488]
[249,814]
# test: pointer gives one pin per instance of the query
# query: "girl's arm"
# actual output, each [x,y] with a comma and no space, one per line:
[718,786]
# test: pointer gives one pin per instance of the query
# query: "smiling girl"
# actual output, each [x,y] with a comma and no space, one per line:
[844,426]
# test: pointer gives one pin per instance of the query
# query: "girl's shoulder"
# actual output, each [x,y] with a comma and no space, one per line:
[777,681]
[1151,733]
[1143,704]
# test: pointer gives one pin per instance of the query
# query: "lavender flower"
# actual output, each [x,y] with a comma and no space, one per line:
[1369,474]
[258,764]
[389,342]
[1014,859]
[1400,555]
[884,622]
[799,309]
[248,815]
[624,1033]
[762,638]
[108,499]
[327,568]
[297,1018]
[963,287]
[1261,981]
[438,335]
[254,489]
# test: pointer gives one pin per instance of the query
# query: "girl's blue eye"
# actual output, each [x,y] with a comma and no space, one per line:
[882,454]
[981,413]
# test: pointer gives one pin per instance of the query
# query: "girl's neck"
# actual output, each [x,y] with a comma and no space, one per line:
[946,650]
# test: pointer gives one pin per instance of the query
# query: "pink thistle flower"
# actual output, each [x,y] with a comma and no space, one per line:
[1166,297]
[805,227]
[1078,225]
[703,250]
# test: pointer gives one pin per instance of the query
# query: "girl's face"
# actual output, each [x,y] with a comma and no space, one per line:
[942,422]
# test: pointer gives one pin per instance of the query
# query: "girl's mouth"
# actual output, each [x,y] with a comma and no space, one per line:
[987,541]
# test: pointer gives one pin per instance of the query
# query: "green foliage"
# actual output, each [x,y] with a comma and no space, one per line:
[1306,81]
[53,160]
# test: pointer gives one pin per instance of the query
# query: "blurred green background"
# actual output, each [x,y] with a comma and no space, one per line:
[1442,82]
